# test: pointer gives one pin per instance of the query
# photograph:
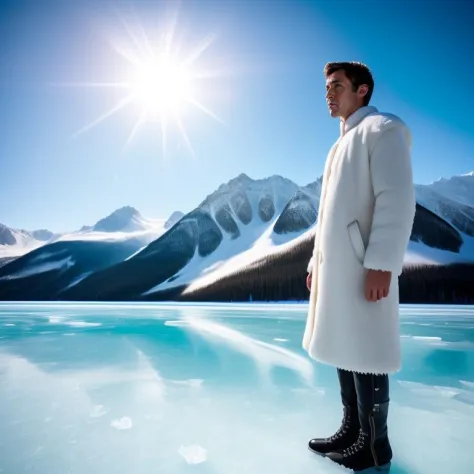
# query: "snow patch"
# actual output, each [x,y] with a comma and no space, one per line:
[64,264]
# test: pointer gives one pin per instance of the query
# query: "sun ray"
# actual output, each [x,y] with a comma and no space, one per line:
[164,124]
[204,109]
[169,35]
[141,46]
[120,105]
[130,56]
[185,135]
[137,125]
[146,41]
[194,56]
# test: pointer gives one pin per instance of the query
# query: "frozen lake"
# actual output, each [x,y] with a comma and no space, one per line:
[214,389]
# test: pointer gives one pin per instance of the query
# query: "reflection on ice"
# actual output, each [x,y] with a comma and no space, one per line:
[180,389]
[264,354]
[82,324]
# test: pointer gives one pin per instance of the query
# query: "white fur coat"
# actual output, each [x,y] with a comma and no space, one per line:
[365,219]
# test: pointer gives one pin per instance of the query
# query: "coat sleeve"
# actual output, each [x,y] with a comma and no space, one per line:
[395,203]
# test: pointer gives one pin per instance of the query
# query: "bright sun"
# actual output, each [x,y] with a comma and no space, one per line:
[162,86]
[160,83]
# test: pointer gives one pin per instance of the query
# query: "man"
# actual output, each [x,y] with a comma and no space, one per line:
[366,212]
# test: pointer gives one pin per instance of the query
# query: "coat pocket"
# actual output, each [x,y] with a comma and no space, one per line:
[356,240]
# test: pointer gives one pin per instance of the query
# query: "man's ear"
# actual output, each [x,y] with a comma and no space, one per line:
[363,89]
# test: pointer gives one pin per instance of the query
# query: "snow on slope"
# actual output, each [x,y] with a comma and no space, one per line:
[420,254]
[204,271]
[280,189]
[63,263]
[16,242]
[121,225]
[256,239]
[452,199]
[126,219]
[234,255]
[146,235]
[457,188]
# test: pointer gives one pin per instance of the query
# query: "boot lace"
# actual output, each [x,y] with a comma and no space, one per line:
[343,429]
[357,446]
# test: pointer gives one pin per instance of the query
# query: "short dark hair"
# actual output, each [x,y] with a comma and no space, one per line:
[356,72]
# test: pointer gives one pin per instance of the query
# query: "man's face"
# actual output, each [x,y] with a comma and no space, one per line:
[341,99]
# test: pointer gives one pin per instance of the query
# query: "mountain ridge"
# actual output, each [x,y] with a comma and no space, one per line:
[244,221]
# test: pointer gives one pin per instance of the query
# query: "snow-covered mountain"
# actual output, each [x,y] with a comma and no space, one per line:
[125,219]
[241,216]
[121,224]
[46,268]
[452,199]
[239,225]
[244,222]
[46,272]
[456,188]
[173,219]
[15,242]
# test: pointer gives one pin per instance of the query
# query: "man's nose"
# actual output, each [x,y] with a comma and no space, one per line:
[330,94]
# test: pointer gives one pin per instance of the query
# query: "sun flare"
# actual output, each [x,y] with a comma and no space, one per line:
[160,83]
[162,86]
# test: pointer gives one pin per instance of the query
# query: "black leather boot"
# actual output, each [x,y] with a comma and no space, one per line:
[347,433]
[372,451]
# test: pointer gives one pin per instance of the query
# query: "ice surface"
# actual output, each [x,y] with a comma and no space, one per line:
[214,389]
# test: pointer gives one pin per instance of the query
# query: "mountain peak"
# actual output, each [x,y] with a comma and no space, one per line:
[175,217]
[126,218]
[456,177]
[126,211]
[244,179]
[241,179]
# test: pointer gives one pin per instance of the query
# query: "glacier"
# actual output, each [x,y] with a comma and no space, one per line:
[214,389]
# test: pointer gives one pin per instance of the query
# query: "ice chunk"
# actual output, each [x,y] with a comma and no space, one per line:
[124,423]
[193,454]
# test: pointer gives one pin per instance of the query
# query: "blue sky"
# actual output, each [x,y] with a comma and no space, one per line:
[269,93]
